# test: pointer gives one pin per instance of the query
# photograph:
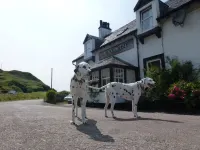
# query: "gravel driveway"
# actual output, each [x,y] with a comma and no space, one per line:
[32,125]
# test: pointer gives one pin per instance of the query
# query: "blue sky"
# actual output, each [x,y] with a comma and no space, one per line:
[37,35]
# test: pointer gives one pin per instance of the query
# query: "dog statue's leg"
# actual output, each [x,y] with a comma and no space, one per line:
[76,115]
[107,101]
[134,105]
[73,110]
[83,111]
[113,100]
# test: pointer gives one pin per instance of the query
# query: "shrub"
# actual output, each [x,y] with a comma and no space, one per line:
[165,78]
[189,92]
[51,96]
[61,95]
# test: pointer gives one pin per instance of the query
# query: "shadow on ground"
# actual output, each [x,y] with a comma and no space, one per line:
[91,129]
[140,118]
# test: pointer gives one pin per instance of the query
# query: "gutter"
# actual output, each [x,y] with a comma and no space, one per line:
[138,55]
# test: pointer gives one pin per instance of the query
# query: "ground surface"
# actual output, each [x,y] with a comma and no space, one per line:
[32,125]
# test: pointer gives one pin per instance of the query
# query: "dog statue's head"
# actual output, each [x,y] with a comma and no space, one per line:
[82,69]
[148,83]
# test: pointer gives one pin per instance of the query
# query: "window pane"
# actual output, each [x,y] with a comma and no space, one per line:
[147,13]
[156,63]
[147,23]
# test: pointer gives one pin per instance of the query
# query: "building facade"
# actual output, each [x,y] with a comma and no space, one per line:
[159,30]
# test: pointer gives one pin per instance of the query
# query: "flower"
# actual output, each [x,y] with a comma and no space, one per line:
[176,88]
[182,97]
[171,96]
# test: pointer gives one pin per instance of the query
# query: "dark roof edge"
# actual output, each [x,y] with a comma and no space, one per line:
[125,62]
[77,58]
[174,10]
[114,40]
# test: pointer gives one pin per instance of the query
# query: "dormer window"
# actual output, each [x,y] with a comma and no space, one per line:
[147,19]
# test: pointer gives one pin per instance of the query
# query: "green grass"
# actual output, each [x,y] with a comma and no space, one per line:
[22,96]
[21,82]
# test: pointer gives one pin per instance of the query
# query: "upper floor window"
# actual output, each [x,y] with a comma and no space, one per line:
[147,19]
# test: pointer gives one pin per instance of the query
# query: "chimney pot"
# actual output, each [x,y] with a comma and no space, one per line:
[100,23]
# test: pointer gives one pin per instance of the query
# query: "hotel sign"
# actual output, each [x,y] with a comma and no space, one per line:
[117,49]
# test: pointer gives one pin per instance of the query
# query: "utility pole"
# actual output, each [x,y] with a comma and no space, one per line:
[51,76]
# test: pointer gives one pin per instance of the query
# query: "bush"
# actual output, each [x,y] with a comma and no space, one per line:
[51,96]
[189,92]
[61,95]
[178,71]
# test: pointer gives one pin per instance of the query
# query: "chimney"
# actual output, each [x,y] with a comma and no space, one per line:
[104,29]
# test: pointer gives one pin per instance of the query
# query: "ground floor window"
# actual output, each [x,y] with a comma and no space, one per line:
[155,63]
[105,76]
[118,75]
[95,76]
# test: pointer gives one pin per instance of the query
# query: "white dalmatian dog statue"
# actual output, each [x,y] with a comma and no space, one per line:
[128,91]
[78,87]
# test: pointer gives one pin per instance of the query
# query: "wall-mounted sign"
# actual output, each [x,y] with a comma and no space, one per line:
[116,49]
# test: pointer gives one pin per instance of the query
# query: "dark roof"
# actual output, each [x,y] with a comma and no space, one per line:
[88,37]
[79,57]
[176,3]
[140,4]
[126,29]
[111,60]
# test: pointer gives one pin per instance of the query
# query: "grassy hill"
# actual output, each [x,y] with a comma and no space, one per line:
[21,82]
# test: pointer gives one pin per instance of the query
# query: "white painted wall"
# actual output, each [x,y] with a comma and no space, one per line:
[129,56]
[103,32]
[88,47]
[130,76]
[152,46]
[183,42]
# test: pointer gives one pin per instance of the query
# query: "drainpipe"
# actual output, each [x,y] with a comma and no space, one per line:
[138,55]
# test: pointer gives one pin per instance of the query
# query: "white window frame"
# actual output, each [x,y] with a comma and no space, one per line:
[105,76]
[95,75]
[118,74]
[145,19]
[147,63]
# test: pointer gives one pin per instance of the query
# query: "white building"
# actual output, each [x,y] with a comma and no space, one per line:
[159,30]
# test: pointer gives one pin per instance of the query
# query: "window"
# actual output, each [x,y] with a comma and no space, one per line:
[147,19]
[119,75]
[95,76]
[105,76]
[154,62]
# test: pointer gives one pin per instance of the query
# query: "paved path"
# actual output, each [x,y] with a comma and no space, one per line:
[32,125]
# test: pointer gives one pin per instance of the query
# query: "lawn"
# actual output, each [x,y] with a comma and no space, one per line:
[22,96]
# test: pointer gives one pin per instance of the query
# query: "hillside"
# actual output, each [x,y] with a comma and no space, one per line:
[21,82]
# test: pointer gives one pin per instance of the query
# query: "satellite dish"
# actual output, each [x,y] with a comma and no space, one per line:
[179,17]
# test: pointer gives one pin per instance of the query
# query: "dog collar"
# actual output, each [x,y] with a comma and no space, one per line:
[80,81]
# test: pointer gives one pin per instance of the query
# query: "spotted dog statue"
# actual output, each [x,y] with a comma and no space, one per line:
[128,91]
[78,87]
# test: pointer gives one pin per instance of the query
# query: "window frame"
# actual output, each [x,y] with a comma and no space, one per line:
[152,60]
[120,76]
[142,19]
